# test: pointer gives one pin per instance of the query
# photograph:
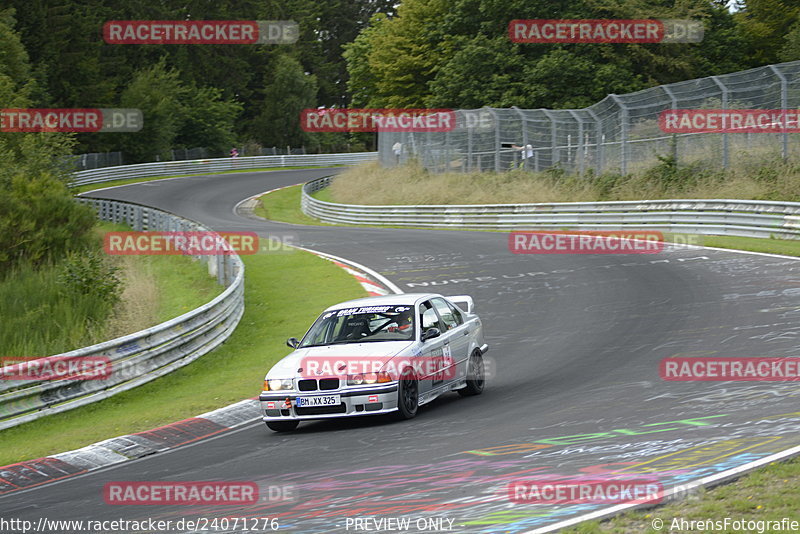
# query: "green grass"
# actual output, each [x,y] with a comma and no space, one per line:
[786,247]
[41,318]
[324,195]
[45,318]
[183,284]
[279,303]
[769,493]
[284,205]
[114,183]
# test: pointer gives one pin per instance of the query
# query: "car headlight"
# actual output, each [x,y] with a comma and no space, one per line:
[278,384]
[368,378]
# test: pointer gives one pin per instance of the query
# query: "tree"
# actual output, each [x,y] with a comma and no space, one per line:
[287,91]
[458,54]
[39,219]
[764,24]
[209,119]
[157,92]
[791,46]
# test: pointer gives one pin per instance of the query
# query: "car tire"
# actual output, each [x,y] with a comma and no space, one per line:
[476,377]
[407,395]
[282,426]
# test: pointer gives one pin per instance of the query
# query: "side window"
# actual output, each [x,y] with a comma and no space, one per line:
[456,314]
[445,313]
[428,318]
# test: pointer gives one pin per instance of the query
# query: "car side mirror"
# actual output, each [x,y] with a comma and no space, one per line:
[292,342]
[430,333]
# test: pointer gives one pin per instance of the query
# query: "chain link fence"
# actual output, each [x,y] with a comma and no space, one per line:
[620,133]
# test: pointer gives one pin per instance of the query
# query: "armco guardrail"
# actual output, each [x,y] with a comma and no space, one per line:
[171,168]
[748,218]
[136,358]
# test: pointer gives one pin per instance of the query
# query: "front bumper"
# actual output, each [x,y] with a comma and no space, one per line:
[355,401]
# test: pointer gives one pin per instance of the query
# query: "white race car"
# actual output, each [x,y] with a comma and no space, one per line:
[389,354]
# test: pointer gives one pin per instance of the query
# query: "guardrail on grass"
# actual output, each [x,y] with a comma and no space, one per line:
[140,357]
[747,218]
[172,168]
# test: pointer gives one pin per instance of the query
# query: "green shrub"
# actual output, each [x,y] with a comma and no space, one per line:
[89,273]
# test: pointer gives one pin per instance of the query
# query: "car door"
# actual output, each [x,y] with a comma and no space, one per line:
[433,350]
[457,338]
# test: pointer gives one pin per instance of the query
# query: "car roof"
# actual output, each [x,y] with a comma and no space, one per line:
[407,299]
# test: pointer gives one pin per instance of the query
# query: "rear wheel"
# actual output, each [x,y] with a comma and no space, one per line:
[282,426]
[407,395]
[475,376]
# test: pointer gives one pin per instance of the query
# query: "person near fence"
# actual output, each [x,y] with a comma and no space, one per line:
[234,153]
[526,155]
[397,149]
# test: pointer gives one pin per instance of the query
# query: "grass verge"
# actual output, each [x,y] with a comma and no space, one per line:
[280,302]
[51,315]
[767,494]
[284,205]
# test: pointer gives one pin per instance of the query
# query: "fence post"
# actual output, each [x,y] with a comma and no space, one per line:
[580,139]
[598,139]
[724,90]
[623,146]
[524,128]
[468,166]
[446,151]
[784,105]
[554,155]
[496,139]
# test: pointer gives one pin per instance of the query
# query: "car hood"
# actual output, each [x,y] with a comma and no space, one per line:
[289,365]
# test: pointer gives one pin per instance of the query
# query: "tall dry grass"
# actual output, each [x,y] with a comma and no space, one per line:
[765,179]
[138,307]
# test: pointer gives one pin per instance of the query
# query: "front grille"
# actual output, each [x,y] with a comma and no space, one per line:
[320,410]
[307,385]
[328,383]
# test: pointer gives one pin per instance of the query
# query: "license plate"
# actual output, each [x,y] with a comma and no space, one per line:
[327,400]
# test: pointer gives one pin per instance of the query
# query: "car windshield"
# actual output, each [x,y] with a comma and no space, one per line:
[362,325]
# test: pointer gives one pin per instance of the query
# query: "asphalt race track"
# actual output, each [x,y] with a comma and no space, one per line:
[575,345]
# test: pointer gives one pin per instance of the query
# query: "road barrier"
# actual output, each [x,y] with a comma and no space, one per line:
[173,168]
[140,357]
[746,218]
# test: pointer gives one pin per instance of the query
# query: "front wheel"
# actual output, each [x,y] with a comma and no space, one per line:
[407,395]
[475,376]
[282,426]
